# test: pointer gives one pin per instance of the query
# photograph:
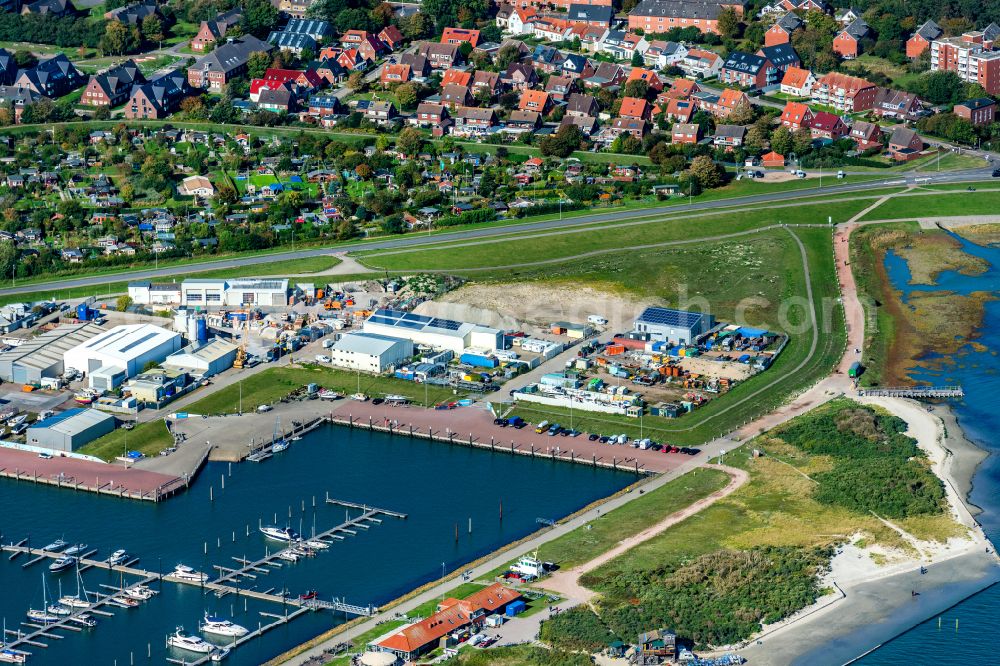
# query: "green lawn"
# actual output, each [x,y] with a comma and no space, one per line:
[942,205]
[585,543]
[954,162]
[149,438]
[274,383]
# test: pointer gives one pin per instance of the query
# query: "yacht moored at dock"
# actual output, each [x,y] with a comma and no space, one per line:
[190,643]
[62,563]
[120,556]
[184,572]
[219,626]
[75,549]
[286,534]
[13,657]
[55,547]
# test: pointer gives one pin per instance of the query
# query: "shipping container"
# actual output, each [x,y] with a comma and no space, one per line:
[515,608]
[614,350]
[479,360]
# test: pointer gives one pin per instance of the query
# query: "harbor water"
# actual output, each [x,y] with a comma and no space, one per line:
[441,488]
[966,632]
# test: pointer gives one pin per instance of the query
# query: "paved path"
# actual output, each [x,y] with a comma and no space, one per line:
[567,583]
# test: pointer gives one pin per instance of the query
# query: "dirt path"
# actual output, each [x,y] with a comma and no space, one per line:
[567,583]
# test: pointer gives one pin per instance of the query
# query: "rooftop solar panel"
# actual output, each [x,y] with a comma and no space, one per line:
[669,317]
[448,324]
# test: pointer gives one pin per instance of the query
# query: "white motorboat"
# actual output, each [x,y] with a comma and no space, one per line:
[189,643]
[62,563]
[84,620]
[55,547]
[330,394]
[13,657]
[139,593]
[219,626]
[117,557]
[279,446]
[219,653]
[75,549]
[317,544]
[17,420]
[286,534]
[184,572]
[288,555]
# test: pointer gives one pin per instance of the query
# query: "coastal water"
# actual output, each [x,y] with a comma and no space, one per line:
[439,487]
[977,369]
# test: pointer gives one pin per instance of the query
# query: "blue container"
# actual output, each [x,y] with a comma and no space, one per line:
[83,312]
[479,360]
[515,608]
[201,326]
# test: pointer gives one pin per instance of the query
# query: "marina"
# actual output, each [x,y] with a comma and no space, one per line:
[226,544]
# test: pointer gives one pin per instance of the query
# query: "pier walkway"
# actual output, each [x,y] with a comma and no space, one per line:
[913,392]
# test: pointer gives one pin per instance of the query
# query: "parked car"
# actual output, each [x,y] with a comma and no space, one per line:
[323,358]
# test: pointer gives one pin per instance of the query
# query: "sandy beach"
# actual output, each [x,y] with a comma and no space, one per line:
[870,603]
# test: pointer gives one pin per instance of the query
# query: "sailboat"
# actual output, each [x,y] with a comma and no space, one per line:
[278,442]
[81,600]
[43,616]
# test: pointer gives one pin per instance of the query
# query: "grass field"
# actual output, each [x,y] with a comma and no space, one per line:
[149,438]
[955,162]
[942,205]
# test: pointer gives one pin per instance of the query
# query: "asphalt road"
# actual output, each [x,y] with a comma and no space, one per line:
[485,232]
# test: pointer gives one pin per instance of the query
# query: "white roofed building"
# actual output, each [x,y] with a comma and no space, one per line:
[370,352]
[122,352]
[434,332]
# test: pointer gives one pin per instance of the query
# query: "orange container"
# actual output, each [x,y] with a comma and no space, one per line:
[614,350]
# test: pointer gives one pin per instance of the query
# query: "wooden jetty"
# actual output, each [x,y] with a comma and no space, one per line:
[260,631]
[916,392]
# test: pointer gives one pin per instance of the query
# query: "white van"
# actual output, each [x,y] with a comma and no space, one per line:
[597,320]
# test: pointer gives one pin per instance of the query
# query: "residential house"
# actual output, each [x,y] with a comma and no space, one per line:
[591,37]
[485,85]
[441,56]
[866,135]
[455,36]
[456,77]
[845,15]
[293,42]
[158,98]
[524,120]
[520,76]
[472,120]
[661,54]
[418,64]
[635,107]
[215,30]
[797,82]
[844,93]
[8,68]
[905,144]
[685,133]
[623,45]
[560,87]
[280,99]
[587,14]
[380,113]
[194,186]
[796,115]
[971,57]
[535,100]
[723,104]
[608,75]
[391,37]
[826,125]
[52,77]
[921,39]
[293,8]
[226,62]
[49,8]
[323,105]
[635,127]
[455,95]
[658,16]
[651,78]
[132,14]
[847,43]
[394,74]
[522,21]
[681,89]
[575,66]
[548,59]
[18,97]
[580,104]
[781,31]
[782,56]
[979,111]
[679,110]
[729,136]
[114,86]
[897,104]
[748,70]
[586,124]
[701,64]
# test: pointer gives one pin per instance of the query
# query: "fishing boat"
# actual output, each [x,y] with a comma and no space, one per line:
[219,653]
[286,534]
[13,657]
[75,549]
[85,397]
[184,572]
[117,557]
[318,544]
[219,626]
[139,593]
[189,643]
[62,563]
[55,547]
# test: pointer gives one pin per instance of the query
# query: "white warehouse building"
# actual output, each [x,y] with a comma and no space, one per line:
[113,356]
[370,352]
[434,332]
[234,293]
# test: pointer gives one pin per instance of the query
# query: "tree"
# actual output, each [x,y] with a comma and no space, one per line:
[406,95]
[742,114]
[637,88]
[326,10]
[563,142]
[116,38]
[507,55]
[354,19]
[382,14]
[707,172]
[152,28]
[417,26]
[257,64]
[225,194]
[123,303]
[410,141]
[942,87]
[8,257]
[356,81]
[801,141]
[364,172]
[259,16]
[781,141]
[729,23]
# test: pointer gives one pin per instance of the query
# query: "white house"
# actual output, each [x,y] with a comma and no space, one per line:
[196,186]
